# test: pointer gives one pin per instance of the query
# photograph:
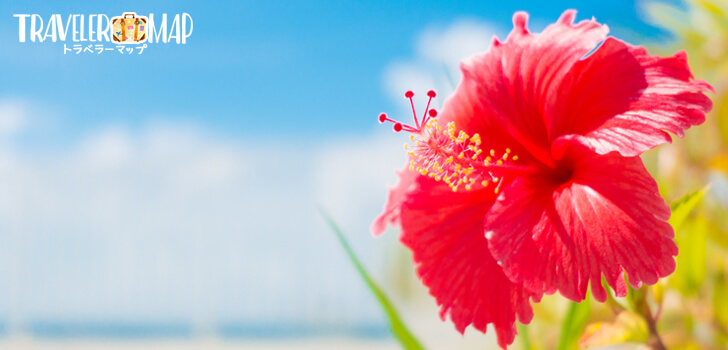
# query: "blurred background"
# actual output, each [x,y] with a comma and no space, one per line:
[172,198]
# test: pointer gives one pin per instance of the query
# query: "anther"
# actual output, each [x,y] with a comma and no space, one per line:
[447,154]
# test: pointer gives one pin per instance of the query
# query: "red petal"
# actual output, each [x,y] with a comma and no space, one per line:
[514,79]
[395,198]
[622,99]
[444,230]
[474,115]
[608,218]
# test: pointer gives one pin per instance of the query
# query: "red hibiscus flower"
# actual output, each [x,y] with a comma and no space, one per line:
[529,180]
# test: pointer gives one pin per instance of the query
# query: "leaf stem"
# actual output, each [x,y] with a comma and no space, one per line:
[643,308]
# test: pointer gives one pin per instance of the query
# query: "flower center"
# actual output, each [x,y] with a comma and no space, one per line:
[562,173]
[452,156]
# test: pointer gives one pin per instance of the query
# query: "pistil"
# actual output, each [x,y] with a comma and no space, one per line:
[452,156]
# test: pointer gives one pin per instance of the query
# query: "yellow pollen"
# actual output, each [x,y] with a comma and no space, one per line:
[454,157]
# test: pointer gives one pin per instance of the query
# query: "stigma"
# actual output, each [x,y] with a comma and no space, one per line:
[420,124]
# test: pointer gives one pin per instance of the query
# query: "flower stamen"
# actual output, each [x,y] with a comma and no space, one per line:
[452,156]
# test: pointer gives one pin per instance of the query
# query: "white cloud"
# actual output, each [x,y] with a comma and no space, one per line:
[456,42]
[169,223]
[401,76]
[436,66]
[14,116]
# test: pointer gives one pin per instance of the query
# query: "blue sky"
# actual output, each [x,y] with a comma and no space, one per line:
[183,184]
[255,68]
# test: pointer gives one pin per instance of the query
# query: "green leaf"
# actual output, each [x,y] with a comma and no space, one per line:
[573,324]
[633,295]
[691,239]
[523,336]
[684,206]
[720,306]
[720,300]
[398,328]
[691,262]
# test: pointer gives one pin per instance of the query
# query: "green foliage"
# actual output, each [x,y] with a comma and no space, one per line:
[720,300]
[691,238]
[574,323]
[684,206]
[691,262]
[396,325]
[523,336]
[720,305]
